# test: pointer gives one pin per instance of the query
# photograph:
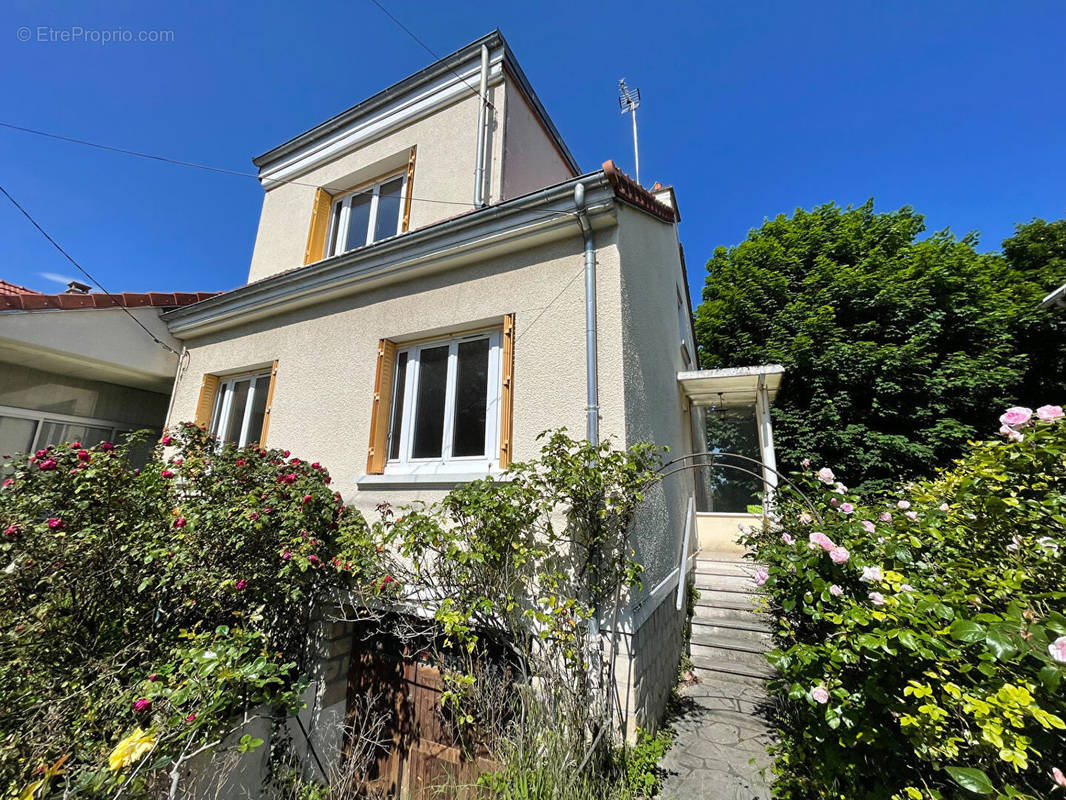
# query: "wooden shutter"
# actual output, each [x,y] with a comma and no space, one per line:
[269,404]
[507,394]
[316,237]
[205,406]
[377,454]
[410,188]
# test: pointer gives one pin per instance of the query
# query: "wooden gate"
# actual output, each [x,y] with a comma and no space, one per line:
[422,757]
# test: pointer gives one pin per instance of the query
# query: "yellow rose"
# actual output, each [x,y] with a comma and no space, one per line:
[130,749]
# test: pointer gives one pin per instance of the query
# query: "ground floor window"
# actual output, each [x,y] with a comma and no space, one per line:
[240,408]
[26,431]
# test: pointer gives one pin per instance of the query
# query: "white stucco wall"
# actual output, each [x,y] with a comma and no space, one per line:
[327,355]
[530,158]
[444,172]
[654,408]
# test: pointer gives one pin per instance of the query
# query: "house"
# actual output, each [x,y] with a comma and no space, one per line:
[434,283]
[77,366]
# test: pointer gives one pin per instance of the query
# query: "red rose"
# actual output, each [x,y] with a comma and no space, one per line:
[167,473]
[83,455]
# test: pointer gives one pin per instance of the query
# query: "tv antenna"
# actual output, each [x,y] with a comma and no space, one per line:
[628,100]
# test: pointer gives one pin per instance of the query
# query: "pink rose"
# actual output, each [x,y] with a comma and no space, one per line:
[313,559]
[834,502]
[142,705]
[903,504]
[167,473]
[906,587]
[106,447]
[153,677]
[253,515]
[944,507]
[871,575]
[8,482]
[1016,417]
[167,440]
[787,539]
[240,585]
[286,454]
[806,463]
[11,531]
[877,598]
[835,590]
[911,515]
[1060,779]
[1057,650]
[868,526]
[83,455]
[762,574]
[179,522]
[1014,436]
[286,555]
[240,462]
[820,695]
[817,539]
[839,555]
[884,516]
[1049,413]
[75,445]
[47,464]
[805,518]
[190,718]
[826,476]
[55,523]
[307,498]
[846,508]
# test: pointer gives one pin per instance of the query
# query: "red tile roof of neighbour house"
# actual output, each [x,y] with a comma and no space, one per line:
[625,188]
[9,289]
[35,301]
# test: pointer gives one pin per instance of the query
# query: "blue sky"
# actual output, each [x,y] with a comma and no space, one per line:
[750,110]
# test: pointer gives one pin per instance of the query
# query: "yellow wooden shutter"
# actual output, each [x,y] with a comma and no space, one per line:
[410,188]
[507,394]
[269,404]
[205,406]
[316,236]
[377,454]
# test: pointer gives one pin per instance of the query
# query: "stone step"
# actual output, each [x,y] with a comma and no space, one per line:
[739,620]
[743,611]
[727,598]
[758,641]
[733,583]
[729,649]
[718,567]
[714,668]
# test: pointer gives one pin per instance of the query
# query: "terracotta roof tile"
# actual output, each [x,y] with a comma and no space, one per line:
[35,301]
[625,188]
[13,289]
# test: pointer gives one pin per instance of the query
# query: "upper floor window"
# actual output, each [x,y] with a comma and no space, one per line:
[367,215]
[682,324]
[240,408]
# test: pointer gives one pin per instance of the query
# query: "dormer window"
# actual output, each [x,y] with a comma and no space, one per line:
[366,215]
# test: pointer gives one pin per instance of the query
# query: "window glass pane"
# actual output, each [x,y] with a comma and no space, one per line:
[259,404]
[334,227]
[238,400]
[727,486]
[58,432]
[429,407]
[388,218]
[358,221]
[472,377]
[397,406]
[16,435]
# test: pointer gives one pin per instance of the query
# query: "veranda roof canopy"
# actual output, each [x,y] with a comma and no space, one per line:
[735,387]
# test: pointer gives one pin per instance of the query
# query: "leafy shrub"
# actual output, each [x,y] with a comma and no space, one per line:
[921,643]
[642,762]
[146,613]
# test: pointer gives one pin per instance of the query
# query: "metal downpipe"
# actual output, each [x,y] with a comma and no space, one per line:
[592,423]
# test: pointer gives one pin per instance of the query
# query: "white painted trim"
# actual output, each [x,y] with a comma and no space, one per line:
[403,111]
[728,514]
[41,417]
[424,480]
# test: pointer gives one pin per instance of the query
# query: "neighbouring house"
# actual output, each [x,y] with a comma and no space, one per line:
[1055,299]
[76,366]
[434,283]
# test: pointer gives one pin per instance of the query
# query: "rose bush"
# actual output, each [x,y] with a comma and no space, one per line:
[926,658]
[146,614]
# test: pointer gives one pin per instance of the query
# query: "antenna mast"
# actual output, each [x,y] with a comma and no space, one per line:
[628,100]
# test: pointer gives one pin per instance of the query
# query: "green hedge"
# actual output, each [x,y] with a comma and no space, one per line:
[920,637]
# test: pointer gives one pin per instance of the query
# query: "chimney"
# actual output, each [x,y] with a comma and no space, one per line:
[665,195]
[77,287]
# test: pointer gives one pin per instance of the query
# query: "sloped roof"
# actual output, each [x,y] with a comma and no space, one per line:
[13,289]
[35,301]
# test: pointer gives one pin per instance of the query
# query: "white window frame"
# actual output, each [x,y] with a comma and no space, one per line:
[341,208]
[259,381]
[447,463]
[117,428]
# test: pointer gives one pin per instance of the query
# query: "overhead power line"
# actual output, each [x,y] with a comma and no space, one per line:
[429,50]
[85,272]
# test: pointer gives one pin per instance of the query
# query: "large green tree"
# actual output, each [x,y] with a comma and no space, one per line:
[897,349]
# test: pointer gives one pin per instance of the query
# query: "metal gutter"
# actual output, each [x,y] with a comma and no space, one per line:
[434,247]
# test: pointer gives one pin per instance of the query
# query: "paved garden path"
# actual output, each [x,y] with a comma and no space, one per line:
[719,750]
